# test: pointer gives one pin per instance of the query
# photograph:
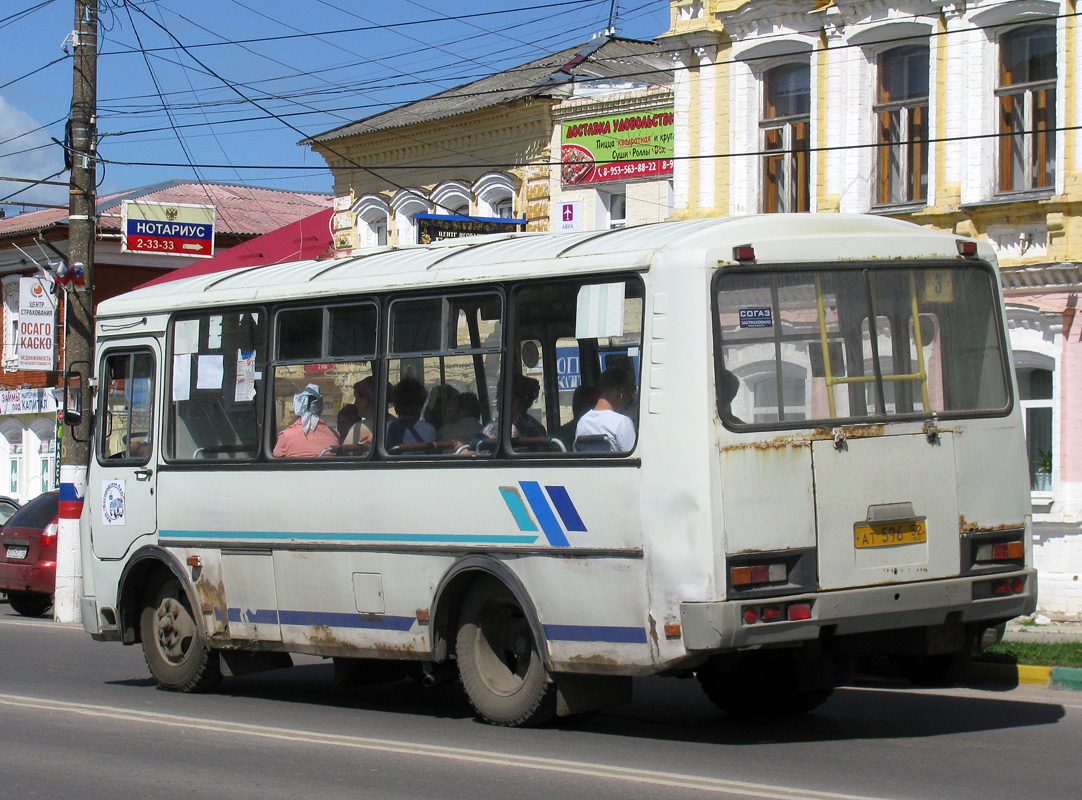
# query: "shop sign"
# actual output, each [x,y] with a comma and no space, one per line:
[37,325]
[167,229]
[618,147]
[27,401]
[434,227]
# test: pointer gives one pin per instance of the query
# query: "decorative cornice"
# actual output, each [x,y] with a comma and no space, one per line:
[637,100]
[1057,277]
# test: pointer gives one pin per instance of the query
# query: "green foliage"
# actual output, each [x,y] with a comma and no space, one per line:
[1035,654]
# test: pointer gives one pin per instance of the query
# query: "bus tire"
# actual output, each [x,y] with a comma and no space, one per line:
[173,645]
[499,662]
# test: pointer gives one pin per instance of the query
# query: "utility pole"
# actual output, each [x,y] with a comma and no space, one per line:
[79,322]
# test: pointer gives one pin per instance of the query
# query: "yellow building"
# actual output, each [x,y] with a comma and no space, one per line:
[956,115]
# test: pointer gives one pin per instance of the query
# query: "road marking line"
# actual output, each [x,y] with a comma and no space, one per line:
[629,775]
[41,623]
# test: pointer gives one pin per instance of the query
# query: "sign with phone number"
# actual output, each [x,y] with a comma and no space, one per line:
[171,229]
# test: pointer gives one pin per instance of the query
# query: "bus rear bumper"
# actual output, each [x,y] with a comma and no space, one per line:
[721,626]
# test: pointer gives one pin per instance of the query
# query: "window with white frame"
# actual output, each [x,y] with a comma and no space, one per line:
[1035,397]
[11,322]
[902,120]
[614,203]
[405,204]
[372,215]
[785,137]
[495,193]
[1026,102]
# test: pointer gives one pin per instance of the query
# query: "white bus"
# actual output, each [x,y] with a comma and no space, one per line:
[827,463]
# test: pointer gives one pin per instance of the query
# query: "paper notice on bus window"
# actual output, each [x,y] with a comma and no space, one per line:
[214,333]
[246,377]
[600,311]
[757,317]
[182,377]
[211,372]
[186,336]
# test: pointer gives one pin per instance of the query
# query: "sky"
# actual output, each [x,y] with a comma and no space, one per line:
[226,85]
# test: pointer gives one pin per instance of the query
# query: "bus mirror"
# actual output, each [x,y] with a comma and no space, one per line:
[73,398]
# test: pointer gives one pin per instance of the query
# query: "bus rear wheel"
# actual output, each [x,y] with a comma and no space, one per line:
[499,661]
[173,644]
[759,689]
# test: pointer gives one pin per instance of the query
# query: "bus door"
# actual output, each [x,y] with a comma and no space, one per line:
[123,478]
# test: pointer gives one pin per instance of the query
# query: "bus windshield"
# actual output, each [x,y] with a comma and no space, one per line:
[798,347]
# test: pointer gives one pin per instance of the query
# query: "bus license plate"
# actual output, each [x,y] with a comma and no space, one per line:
[887,534]
[16,552]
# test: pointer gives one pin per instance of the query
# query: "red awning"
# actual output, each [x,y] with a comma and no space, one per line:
[303,239]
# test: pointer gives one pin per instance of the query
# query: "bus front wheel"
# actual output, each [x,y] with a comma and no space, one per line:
[173,645]
[499,661]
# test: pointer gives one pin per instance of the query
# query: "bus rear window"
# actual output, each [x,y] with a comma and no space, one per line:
[817,347]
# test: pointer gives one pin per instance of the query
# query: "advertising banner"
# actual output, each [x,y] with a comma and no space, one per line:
[167,229]
[620,147]
[37,325]
[434,227]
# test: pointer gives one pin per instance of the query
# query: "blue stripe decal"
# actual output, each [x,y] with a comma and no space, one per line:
[565,508]
[338,620]
[518,509]
[261,616]
[595,633]
[313,536]
[543,513]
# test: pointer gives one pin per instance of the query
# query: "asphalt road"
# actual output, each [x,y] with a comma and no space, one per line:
[83,719]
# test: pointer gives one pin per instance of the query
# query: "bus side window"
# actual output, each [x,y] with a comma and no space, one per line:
[451,347]
[214,406]
[567,334]
[127,421]
[333,348]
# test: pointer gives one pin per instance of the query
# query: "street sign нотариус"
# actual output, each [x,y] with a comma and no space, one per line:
[168,229]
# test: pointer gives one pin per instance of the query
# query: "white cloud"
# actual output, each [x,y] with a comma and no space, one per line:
[33,155]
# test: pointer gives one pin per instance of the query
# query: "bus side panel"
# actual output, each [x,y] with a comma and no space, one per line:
[993,484]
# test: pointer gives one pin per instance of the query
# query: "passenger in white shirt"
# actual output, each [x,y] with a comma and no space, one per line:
[608,417]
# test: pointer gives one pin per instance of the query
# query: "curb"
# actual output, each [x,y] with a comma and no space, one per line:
[1068,678]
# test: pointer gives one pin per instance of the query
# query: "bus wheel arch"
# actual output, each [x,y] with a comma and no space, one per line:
[148,566]
[499,645]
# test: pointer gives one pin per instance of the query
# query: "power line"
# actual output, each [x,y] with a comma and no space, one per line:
[34,72]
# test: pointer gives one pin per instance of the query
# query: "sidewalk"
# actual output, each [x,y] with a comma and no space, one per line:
[1040,629]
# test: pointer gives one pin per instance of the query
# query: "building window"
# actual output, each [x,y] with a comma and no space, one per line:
[785,123]
[615,203]
[902,120]
[1035,393]
[11,322]
[1027,108]
[505,209]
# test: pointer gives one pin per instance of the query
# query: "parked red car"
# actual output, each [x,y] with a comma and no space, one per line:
[28,555]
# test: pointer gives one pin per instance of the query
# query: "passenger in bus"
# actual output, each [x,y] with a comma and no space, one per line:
[463,419]
[408,399]
[307,436]
[608,417]
[582,400]
[363,412]
[730,385]
[439,404]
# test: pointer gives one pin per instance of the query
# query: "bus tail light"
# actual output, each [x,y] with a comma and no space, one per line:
[771,613]
[758,574]
[1001,551]
[1009,586]
[798,611]
[743,252]
[967,248]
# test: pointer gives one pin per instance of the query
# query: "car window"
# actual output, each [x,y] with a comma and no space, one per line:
[6,510]
[38,513]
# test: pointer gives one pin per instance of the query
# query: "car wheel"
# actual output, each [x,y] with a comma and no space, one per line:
[173,644]
[499,661]
[30,604]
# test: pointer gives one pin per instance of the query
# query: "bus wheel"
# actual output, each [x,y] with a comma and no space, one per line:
[173,644]
[941,670]
[499,662]
[759,689]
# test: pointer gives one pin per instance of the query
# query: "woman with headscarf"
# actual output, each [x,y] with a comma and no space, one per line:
[308,436]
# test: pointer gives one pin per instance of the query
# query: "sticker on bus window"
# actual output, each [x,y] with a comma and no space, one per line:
[938,286]
[756,318]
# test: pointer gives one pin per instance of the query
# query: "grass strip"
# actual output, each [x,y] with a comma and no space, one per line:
[1037,654]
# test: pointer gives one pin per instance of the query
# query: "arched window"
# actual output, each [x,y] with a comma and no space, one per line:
[11,449]
[902,120]
[495,195]
[42,473]
[1035,397]
[372,214]
[785,137]
[451,197]
[1027,108]
[405,204]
